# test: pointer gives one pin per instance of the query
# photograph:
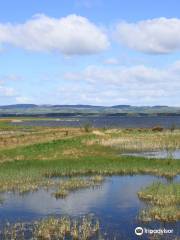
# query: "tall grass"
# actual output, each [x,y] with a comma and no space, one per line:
[136,141]
[66,186]
[53,228]
[164,200]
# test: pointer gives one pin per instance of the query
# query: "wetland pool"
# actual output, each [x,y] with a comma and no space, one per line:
[115,204]
[162,154]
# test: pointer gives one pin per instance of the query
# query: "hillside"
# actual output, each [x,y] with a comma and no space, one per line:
[68,110]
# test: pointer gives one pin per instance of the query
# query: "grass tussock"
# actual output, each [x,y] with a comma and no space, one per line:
[164,202]
[66,186]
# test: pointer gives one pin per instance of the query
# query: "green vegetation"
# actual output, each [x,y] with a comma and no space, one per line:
[16,136]
[77,183]
[31,156]
[61,158]
[164,202]
[162,194]
[54,228]
[138,140]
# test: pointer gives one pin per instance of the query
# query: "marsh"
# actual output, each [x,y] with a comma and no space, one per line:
[115,204]
[52,173]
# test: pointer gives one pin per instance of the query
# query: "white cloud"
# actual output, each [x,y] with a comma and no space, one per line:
[117,76]
[72,93]
[6,91]
[69,35]
[10,93]
[137,85]
[155,36]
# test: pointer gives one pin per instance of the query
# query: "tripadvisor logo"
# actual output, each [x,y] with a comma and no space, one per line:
[139,231]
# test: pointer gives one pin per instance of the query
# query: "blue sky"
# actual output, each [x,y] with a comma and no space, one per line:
[90,52]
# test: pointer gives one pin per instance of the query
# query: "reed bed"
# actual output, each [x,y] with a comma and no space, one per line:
[67,186]
[53,228]
[122,166]
[161,194]
[163,214]
[63,186]
[164,202]
[135,141]
[25,184]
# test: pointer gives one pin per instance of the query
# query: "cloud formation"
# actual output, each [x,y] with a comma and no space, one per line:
[10,93]
[107,85]
[136,85]
[154,36]
[71,35]
[76,35]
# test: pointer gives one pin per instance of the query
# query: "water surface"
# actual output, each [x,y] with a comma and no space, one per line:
[109,121]
[115,204]
[156,154]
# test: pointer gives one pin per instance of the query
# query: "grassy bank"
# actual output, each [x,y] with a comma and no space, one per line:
[34,173]
[29,155]
[164,202]
[57,153]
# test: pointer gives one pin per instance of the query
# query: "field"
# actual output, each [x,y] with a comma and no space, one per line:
[34,157]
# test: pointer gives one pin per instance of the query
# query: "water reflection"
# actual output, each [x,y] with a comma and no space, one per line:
[115,203]
[156,154]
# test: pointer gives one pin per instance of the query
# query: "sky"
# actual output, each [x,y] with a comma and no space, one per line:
[96,52]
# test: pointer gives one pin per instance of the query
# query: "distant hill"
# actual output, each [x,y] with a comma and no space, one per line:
[14,106]
[121,106]
[75,106]
[80,109]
